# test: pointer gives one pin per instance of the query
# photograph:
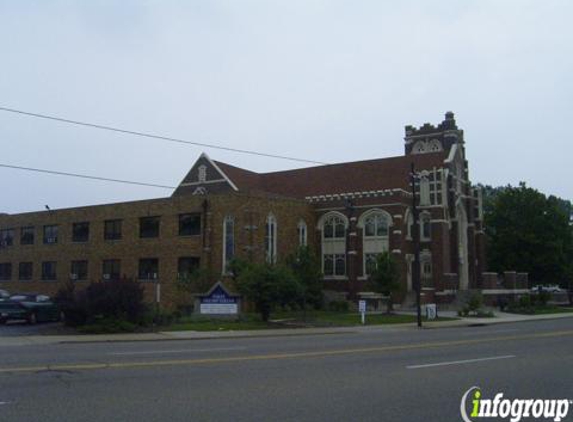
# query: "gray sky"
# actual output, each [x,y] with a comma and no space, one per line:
[324,80]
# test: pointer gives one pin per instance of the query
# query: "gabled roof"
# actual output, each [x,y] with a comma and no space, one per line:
[358,176]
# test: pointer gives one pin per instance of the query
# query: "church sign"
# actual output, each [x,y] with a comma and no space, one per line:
[218,301]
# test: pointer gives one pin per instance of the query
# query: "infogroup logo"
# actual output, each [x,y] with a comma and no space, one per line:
[513,409]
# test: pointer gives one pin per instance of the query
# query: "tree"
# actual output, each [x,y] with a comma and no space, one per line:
[268,286]
[306,268]
[529,232]
[385,277]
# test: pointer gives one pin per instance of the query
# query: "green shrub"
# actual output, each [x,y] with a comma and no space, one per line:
[108,326]
[339,306]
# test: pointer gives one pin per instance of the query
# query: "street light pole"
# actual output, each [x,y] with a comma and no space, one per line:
[416,236]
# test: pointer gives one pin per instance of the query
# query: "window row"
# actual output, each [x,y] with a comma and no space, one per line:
[189,225]
[270,240]
[148,269]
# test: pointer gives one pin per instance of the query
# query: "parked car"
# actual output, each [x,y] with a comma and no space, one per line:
[41,307]
[4,295]
[12,311]
[548,289]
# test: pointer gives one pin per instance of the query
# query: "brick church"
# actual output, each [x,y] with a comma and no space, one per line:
[347,213]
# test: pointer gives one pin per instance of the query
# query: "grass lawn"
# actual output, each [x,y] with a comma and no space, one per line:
[290,320]
[542,311]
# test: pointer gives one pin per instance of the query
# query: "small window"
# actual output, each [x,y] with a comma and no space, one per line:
[148,269]
[27,235]
[25,271]
[5,271]
[49,270]
[427,269]
[371,260]
[50,234]
[112,230]
[6,237]
[271,239]
[80,232]
[340,265]
[426,230]
[228,242]
[189,224]
[376,226]
[187,265]
[149,227]
[302,233]
[79,270]
[111,269]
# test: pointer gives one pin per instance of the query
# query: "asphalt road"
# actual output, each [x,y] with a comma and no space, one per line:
[379,375]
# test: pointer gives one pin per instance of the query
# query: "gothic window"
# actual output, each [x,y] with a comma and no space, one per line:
[228,242]
[426,264]
[419,147]
[302,233]
[376,227]
[425,226]
[434,146]
[271,239]
[333,227]
[424,189]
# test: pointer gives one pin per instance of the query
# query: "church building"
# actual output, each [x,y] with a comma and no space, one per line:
[347,213]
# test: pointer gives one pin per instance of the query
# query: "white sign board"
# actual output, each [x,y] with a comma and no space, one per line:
[219,308]
[361,306]
[431,311]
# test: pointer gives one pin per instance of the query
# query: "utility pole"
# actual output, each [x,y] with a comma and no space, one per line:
[416,236]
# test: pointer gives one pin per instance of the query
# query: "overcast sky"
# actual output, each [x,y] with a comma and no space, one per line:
[323,80]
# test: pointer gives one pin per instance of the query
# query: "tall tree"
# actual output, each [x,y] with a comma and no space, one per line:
[385,277]
[529,232]
[268,286]
[306,268]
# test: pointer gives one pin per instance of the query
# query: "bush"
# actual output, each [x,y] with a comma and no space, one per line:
[339,306]
[117,300]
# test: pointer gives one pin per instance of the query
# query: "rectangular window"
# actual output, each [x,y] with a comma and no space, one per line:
[370,261]
[149,227]
[50,234]
[79,270]
[112,230]
[80,232]
[6,237]
[148,269]
[334,265]
[189,224]
[111,269]
[5,271]
[27,235]
[228,242]
[187,265]
[25,271]
[49,270]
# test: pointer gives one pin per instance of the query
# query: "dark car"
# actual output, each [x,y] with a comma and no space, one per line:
[40,307]
[13,311]
[4,294]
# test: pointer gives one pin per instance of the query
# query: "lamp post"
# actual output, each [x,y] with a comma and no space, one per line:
[416,237]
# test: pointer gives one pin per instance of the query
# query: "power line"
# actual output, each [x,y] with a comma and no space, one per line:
[149,135]
[85,176]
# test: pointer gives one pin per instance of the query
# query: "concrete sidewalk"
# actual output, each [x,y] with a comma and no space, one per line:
[500,318]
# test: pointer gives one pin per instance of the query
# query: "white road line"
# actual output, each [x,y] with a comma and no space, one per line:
[159,352]
[459,362]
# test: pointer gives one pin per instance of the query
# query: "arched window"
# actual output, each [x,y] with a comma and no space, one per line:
[271,239]
[376,227]
[333,227]
[302,233]
[424,189]
[228,242]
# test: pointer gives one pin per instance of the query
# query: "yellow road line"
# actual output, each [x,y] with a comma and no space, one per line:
[293,355]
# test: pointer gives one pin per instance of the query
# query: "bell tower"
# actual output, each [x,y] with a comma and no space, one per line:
[429,138]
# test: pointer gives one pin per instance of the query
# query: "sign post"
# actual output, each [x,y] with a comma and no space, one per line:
[362,310]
